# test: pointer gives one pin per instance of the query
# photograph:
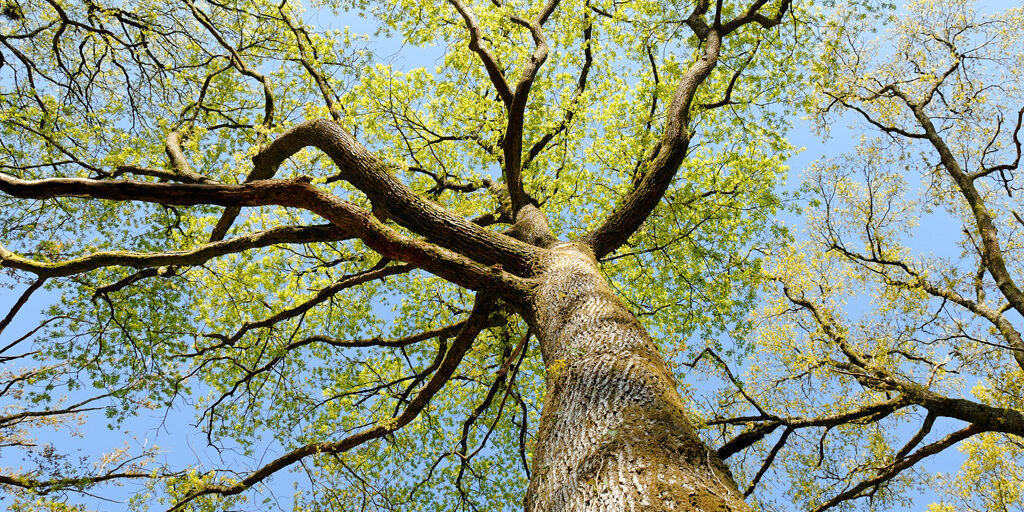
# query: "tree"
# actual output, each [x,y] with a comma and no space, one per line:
[227,196]
[904,302]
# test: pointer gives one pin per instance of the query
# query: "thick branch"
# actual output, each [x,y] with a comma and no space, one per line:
[294,193]
[172,146]
[362,169]
[668,156]
[192,257]
[987,417]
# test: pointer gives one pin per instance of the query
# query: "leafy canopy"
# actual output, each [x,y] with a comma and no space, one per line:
[902,299]
[280,332]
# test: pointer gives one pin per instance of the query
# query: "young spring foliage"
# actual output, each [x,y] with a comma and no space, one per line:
[889,363]
[322,248]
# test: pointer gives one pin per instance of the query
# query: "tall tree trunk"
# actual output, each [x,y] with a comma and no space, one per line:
[614,433]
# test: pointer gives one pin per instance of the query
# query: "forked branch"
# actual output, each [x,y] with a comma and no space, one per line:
[476,322]
[668,153]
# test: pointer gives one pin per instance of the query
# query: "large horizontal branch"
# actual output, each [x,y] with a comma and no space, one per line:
[358,166]
[476,322]
[757,432]
[989,417]
[192,257]
[291,193]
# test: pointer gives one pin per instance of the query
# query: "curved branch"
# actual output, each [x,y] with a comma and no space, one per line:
[172,146]
[755,433]
[22,299]
[889,129]
[300,194]
[1013,338]
[301,37]
[570,111]
[753,15]
[1016,161]
[358,166]
[666,159]
[301,308]
[71,483]
[490,62]
[872,376]
[440,332]
[512,143]
[887,473]
[231,213]
[476,322]
[192,257]
[668,153]
[240,65]
[727,96]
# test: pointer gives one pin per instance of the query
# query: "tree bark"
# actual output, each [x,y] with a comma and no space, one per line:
[614,434]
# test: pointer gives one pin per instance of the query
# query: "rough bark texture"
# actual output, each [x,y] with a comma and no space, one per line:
[614,433]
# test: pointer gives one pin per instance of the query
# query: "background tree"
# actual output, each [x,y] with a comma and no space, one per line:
[496,222]
[904,303]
